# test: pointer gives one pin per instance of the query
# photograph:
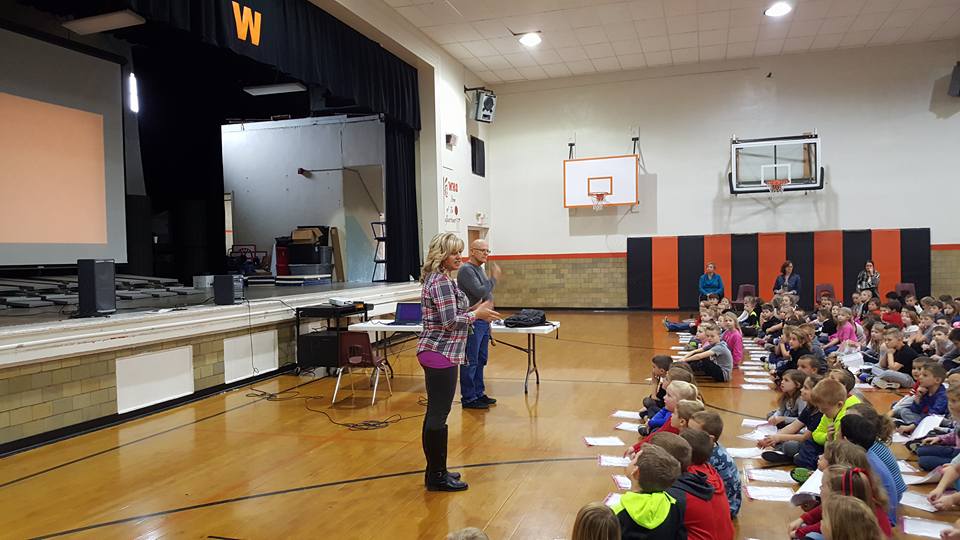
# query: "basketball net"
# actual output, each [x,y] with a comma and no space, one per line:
[775,185]
[598,202]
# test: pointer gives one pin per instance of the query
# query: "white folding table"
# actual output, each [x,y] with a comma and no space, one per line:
[382,328]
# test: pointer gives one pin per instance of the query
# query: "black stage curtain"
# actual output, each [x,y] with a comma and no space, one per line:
[403,235]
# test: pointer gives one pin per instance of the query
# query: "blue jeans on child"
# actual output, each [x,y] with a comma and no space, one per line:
[471,373]
[808,454]
[679,326]
[929,457]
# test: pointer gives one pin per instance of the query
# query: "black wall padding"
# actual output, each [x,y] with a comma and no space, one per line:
[743,259]
[690,267]
[915,259]
[857,250]
[800,251]
[640,272]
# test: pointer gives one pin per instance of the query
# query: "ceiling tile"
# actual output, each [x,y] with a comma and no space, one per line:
[713,37]
[855,39]
[546,56]
[646,9]
[458,51]
[614,13]
[399,3]
[837,25]
[521,59]
[581,17]
[620,31]
[842,8]
[560,39]
[746,17]
[886,36]
[683,41]
[629,46]
[713,20]
[911,4]
[706,6]
[414,15]
[506,45]
[901,19]
[747,33]
[768,47]
[571,54]
[740,50]
[552,20]
[632,61]
[474,64]
[776,30]
[804,28]
[495,62]
[679,7]
[685,56]
[815,9]
[936,14]
[752,4]
[660,58]
[682,23]
[919,32]
[869,21]
[508,74]
[651,27]
[532,73]
[607,64]
[557,70]
[491,29]
[480,48]
[654,44]
[827,41]
[878,6]
[599,50]
[948,30]
[797,44]
[712,52]
[488,76]
[581,67]
[589,35]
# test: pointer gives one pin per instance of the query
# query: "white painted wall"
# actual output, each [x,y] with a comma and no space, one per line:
[891,143]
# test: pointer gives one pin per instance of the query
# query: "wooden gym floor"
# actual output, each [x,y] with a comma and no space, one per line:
[234,466]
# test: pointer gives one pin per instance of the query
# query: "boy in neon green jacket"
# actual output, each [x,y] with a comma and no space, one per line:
[652,514]
[831,398]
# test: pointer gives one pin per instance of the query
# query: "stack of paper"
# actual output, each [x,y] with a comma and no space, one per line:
[761,432]
[603,441]
[744,453]
[629,415]
[906,467]
[770,475]
[622,481]
[628,426]
[924,527]
[612,499]
[810,490]
[755,386]
[763,493]
[932,477]
[922,430]
[756,380]
[752,422]
[916,500]
[613,461]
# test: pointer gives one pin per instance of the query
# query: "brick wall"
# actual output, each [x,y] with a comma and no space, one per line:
[42,397]
[599,282]
[945,278]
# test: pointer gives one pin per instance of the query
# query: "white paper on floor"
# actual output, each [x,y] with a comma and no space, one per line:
[629,415]
[764,493]
[745,453]
[924,527]
[756,374]
[751,422]
[864,386]
[755,386]
[603,441]
[752,364]
[612,499]
[899,438]
[759,433]
[677,348]
[757,380]
[932,477]
[810,490]
[613,461]
[628,426]
[622,481]
[916,500]
[906,467]
[926,426]
[770,475]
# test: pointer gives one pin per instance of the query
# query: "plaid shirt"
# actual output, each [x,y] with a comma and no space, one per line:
[445,318]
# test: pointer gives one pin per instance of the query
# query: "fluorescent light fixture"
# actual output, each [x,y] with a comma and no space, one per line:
[267,89]
[105,22]
[530,39]
[134,94]
[778,9]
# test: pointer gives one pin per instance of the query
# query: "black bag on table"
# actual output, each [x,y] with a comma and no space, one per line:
[526,318]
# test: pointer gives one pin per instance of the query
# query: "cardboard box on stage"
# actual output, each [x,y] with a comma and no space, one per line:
[310,235]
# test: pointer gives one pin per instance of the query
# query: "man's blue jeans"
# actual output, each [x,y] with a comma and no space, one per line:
[471,373]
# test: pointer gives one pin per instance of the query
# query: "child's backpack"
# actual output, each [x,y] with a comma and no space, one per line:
[526,318]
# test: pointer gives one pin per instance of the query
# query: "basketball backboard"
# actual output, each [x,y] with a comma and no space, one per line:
[793,161]
[613,180]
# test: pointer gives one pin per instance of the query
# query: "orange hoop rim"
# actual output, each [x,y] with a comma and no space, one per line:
[776,185]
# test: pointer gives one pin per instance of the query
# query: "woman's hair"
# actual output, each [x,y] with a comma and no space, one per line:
[870,262]
[846,453]
[849,518]
[798,378]
[441,246]
[596,521]
[783,267]
[883,423]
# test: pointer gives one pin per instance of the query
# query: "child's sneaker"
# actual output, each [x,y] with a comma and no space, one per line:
[800,474]
[865,377]
[774,456]
[884,385]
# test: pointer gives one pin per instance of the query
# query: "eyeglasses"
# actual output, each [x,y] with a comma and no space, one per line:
[482,250]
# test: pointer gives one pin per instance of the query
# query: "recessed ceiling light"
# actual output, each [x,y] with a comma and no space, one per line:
[104,22]
[268,89]
[779,9]
[530,39]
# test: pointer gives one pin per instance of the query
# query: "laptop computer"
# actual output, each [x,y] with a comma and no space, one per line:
[408,314]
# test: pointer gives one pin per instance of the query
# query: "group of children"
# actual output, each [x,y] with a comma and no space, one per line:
[687,484]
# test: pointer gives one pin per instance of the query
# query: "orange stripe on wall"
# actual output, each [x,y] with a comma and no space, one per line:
[945,247]
[771,252]
[665,279]
[886,257]
[716,249]
[827,262]
[605,255]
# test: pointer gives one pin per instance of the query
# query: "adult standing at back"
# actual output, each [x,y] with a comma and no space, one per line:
[711,282]
[869,279]
[478,286]
[447,317]
[787,282]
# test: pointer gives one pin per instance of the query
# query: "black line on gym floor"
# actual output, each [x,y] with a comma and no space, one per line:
[144,438]
[302,489]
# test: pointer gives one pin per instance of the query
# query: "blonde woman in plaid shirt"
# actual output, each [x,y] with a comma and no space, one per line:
[447,316]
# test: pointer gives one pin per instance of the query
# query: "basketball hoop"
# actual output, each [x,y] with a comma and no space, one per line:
[598,201]
[775,185]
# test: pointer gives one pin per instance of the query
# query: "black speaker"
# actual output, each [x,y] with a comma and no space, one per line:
[98,291]
[478,159]
[227,289]
[318,349]
[955,82]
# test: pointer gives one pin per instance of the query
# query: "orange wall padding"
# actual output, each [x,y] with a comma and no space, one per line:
[665,280]
[771,252]
[827,262]
[886,257]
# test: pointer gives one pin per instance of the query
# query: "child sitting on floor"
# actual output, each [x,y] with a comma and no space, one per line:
[662,416]
[890,314]
[732,336]
[849,518]
[676,391]
[711,423]
[860,431]
[789,404]
[831,398]
[701,447]
[940,450]
[931,398]
[879,452]
[785,443]
[896,362]
[749,319]
[651,512]
[713,358]
[845,335]
[809,365]
[844,480]
[685,410]
[849,381]
[654,402]
[939,344]
[596,521]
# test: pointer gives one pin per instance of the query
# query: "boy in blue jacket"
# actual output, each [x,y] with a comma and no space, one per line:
[931,398]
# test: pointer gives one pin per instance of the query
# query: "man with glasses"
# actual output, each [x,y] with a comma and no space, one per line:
[478,286]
